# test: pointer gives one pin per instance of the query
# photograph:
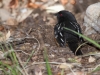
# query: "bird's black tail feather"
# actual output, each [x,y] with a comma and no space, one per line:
[73,46]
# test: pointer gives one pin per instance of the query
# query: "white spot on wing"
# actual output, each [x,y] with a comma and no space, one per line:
[58,27]
[56,36]
[74,25]
[62,40]
[57,24]
[78,30]
[55,32]
[61,44]
[61,34]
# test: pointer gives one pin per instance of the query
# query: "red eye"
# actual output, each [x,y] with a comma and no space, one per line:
[61,15]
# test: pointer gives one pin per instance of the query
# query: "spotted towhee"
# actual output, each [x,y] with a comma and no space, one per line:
[63,36]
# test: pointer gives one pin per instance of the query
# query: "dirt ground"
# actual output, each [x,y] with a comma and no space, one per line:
[39,32]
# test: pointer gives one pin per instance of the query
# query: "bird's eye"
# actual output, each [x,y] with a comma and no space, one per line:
[61,15]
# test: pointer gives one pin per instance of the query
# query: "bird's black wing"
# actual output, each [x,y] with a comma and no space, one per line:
[77,29]
[59,34]
[64,36]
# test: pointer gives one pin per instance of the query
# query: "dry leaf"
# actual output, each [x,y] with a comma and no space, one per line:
[55,8]
[64,2]
[91,59]
[6,3]
[65,66]
[72,2]
[38,71]
[59,73]
[1,28]
[13,3]
[12,22]
[78,59]
[4,14]
[1,3]
[24,14]
[8,35]
[1,55]
[32,5]
[4,36]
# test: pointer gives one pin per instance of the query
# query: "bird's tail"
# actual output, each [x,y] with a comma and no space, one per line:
[73,46]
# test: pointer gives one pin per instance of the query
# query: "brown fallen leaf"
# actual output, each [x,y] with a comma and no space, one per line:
[33,5]
[8,35]
[78,59]
[38,71]
[4,14]
[54,8]
[65,66]
[12,22]
[72,2]
[1,28]
[5,4]
[91,59]
[13,3]
[23,14]
[4,36]
[64,2]
[59,73]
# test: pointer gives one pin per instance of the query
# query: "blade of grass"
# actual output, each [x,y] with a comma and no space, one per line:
[17,67]
[1,47]
[47,64]
[80,46]
[13,55]
[29,57]
[97,68]
[62,72]
[3,69]
[86,38]
[13,71]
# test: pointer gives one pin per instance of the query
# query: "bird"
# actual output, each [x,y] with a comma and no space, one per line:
[63,36]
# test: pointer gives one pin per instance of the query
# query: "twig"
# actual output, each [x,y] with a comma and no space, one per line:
[16,51]
[20,39]
[38,46]
[25,71]
[57,63]
[71,69]
[80,47]
[93,54]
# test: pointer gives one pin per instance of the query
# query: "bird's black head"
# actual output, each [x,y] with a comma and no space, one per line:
[65,16]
